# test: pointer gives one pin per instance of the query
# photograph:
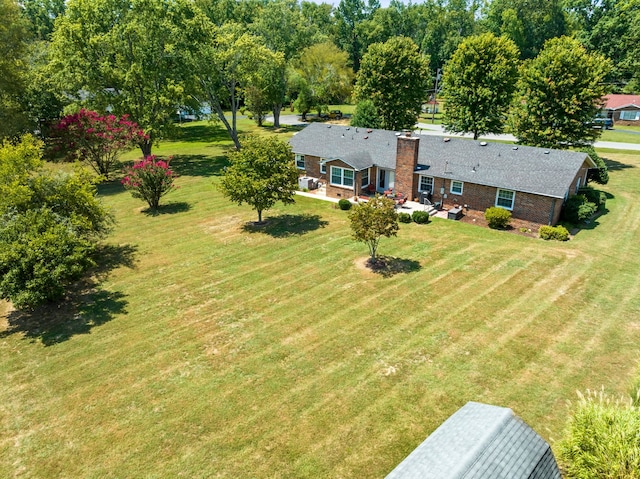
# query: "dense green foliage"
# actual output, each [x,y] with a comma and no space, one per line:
[420,217]
[594,196]
[404,217]
[479,82]
[128,56]
[558,233]
[49,229]
[497,218]
[601,174]
[395,76]
[261,174]
[578,208]
[602,438]
[560,92]
[365,115]
[344,204]
[372,220]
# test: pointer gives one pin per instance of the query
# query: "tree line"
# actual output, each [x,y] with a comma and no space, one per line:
[150,58]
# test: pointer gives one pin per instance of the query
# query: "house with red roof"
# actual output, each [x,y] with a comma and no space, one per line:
[622,108]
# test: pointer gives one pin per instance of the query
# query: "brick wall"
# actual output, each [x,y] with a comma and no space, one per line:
[312,168]
[406,161]
[534,208]
[340,191]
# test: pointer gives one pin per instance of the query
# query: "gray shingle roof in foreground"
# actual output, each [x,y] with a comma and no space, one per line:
[520,168]
[480,441]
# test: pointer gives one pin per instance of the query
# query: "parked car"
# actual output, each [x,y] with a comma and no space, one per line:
[606,123]
[335,115]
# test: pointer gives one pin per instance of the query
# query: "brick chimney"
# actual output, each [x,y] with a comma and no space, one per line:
[406,162]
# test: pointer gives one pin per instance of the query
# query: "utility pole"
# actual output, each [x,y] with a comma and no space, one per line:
[435,96]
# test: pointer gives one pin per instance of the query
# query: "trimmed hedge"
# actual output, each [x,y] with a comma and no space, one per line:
[420,217]
[578,208]
[558,233]
[344,204]
[498,218]
[404,217]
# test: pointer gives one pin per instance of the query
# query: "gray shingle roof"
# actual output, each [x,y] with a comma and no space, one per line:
[480,441]
[522,168]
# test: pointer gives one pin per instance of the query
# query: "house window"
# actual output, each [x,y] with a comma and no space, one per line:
[578,184]
[505,199]
[426,184]
[323,166]
[341,177]
[456,187]
[300,161]
[629,115]
[365,178]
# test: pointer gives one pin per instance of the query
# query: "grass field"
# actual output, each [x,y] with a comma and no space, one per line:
[207,348]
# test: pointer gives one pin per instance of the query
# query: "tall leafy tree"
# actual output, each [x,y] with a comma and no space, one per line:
[13,68]
[351,35]
[42,15]
[261,174]
[529,23]
[448,24]
[479,82]
[559,93]
[616,34]
[395,77]
[284,28]
[323,67]
[127,56]
[223,63]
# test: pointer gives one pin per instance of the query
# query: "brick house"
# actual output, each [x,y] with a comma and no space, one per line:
[532,183]
[622,109]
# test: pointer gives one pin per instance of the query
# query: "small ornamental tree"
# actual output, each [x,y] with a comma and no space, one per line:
[97,139]
[260,174]
[372,220]
[149,180]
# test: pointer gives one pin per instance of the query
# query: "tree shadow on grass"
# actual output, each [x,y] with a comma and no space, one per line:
[198,165]
[86,306]
[200,133]
[389,266]
[285,226]
[111,187]
[613,165]
[168,209]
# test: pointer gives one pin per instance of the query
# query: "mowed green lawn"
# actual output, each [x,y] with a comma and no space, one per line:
[209,348]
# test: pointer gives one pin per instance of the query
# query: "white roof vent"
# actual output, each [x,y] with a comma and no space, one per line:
[483,143]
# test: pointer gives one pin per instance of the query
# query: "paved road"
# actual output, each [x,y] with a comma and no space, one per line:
[430,129]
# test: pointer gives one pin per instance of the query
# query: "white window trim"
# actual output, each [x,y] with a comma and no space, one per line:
[300,157]
[342,185]
[420,183]
[461,187]
[362,172]
[513,199]
[323,166]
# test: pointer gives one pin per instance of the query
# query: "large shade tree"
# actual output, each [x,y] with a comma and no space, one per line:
[126,56]
[479,82]
[326,76]
[559,93]
[13,68]
[529,23]
[395,76]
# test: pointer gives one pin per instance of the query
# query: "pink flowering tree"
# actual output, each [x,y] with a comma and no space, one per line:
[97,139]
[149,179]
